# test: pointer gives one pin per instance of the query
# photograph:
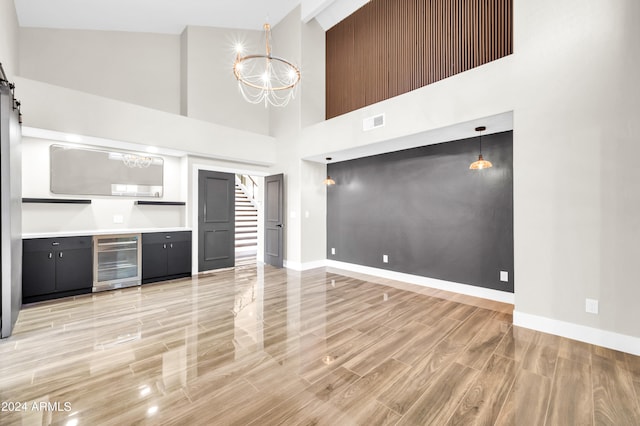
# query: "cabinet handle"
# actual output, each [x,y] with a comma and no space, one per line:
[167,236]
[164,246]
[60,255]
[55,244]
[50,255]
[171,245]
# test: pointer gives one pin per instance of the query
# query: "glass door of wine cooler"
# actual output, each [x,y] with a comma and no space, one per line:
[117,260]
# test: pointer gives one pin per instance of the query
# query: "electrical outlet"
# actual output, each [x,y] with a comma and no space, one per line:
[333,250]
[591,306]
[504,276]
[118,218]
[385,258]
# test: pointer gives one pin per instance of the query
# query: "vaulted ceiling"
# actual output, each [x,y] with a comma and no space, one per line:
[155,16]
[171,16]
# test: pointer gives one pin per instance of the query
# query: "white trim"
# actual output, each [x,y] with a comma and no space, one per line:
[470,290]
[297,266]
[582,333]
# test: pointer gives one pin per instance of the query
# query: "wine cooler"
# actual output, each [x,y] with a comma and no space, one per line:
[116,261]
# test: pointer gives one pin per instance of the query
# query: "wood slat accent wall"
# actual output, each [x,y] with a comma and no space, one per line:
[390,47]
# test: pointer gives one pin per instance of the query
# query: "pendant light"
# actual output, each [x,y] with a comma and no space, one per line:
[328,181]
[481,163]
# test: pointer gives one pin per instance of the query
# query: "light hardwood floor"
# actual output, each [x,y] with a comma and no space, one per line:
[261,346]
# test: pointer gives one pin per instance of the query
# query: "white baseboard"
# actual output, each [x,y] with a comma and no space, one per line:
[297,266]
[594,336]
[469,290]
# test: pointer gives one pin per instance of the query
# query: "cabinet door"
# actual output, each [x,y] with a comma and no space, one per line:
[154,260]
[38,273]
[179,259]
[74,269]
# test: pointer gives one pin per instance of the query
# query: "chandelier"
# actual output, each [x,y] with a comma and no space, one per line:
[265,78]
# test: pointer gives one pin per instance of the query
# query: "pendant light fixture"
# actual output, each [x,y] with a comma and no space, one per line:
[481,163]
[263,78]
[328,181]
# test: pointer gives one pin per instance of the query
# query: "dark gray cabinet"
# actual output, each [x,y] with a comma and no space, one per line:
[165,256]
[56,267]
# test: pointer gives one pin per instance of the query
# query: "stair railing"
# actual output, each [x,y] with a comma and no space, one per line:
[249,186]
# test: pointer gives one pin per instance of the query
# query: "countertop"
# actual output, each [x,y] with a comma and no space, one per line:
[93,232]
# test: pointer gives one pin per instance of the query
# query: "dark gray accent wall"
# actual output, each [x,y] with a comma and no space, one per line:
[427,212]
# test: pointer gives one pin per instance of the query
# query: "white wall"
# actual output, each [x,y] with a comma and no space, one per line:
[284,124]
[314,211]
[305,199]
[9,39]
[50,107]
[139,68]
[576,215]
[99,214]
[313,70]
[211,89]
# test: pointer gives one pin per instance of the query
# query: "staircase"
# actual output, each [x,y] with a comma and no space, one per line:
[246,228]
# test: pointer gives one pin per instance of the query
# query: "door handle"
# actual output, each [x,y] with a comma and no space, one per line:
[280,225]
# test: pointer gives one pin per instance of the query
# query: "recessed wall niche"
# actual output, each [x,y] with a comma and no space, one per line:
[427,212]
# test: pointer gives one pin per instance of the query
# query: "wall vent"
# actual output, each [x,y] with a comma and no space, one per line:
[374,122]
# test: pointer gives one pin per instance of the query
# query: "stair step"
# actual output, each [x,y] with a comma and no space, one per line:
[249,249]
[248,228]
[247,236]
[246,215]
[245,259]
[246,251]
[248,244]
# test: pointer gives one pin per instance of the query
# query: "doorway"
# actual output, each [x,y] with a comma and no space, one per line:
[202,237]
[216,220]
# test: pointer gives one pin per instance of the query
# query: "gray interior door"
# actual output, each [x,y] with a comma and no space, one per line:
[274,220]
[216,220]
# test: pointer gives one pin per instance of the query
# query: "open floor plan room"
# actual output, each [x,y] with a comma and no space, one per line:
[260,345]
